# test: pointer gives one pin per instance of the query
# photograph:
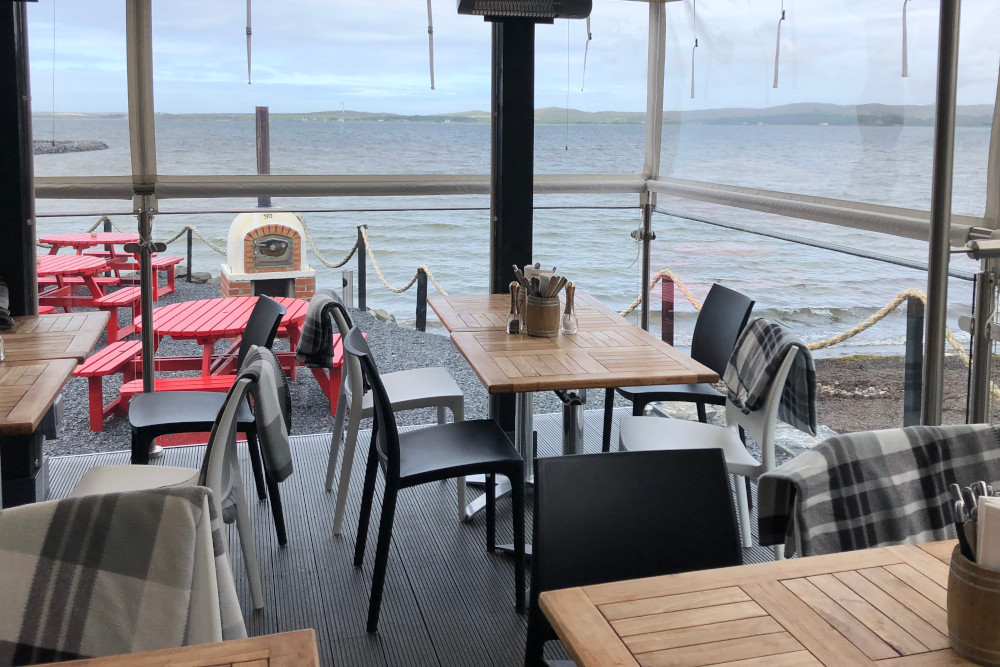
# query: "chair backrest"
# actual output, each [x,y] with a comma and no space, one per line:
[220,452]
[760,424]
[262,326]
[723,316]
[625,515]
[384,429]
[351,378]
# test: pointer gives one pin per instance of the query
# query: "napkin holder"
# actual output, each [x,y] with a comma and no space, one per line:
[974,610]
[542,316]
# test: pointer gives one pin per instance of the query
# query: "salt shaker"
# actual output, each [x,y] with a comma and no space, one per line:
[513,317]
[569,324]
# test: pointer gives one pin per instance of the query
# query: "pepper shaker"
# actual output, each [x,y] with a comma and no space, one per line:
[513,317]
[569,323]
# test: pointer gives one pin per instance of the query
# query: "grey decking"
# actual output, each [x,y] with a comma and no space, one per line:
[447,602]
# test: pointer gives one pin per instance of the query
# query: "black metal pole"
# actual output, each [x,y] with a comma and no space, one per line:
[913,370]
[362,282]
[421,299]
[190,240]
[263,125]
[107,224]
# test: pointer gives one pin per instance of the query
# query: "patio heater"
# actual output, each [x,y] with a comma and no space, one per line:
[513,139]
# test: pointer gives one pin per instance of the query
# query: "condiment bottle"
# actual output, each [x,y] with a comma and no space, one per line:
[569,324]
[513,317]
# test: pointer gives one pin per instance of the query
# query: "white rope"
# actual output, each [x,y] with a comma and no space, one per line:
[777,46]
[430,40]
[906,72]
[315,248]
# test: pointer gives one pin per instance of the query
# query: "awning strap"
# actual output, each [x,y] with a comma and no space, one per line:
[249,33]
[694,27]
[430,40]
[906,72]
[777,46]
[586,48]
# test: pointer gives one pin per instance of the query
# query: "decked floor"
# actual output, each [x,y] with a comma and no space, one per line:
[447,601]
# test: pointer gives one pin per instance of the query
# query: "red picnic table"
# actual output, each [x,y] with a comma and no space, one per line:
[70,271]
[118,261]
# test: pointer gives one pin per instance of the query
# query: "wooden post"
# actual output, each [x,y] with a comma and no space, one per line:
[362,280]
[914,365]
[667,312]
[107,224]
[263,148]
[421,299]
[190,240]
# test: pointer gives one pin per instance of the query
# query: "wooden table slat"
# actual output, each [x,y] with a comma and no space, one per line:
[55,336]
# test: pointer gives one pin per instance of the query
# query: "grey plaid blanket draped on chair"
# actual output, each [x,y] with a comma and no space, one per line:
[759,352]
[316,343]
[271,409]
[115,573]
[875,488]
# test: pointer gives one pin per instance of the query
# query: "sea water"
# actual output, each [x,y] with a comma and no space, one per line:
[818,292]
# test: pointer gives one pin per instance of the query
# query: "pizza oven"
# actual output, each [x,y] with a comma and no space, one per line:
[265,255]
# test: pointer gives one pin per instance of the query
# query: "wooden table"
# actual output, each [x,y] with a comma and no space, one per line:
[607,351]
[56,336]
[288,649]
[62,267]
[854,608]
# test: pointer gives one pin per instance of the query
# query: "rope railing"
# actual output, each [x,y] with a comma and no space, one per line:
[397,290]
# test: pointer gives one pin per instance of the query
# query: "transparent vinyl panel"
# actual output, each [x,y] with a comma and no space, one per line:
[818,104]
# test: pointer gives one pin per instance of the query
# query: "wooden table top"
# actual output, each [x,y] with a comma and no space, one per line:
[854,608]
[287,649]
[208,319]
[88,240]
[488,312]
[54,336]
[70,265]
[27,391]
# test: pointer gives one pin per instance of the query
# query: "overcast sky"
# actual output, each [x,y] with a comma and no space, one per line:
[316,55]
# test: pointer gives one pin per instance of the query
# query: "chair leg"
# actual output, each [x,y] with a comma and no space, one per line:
[458,414]
[743,509]
[338,434]
[346,467]
[367,496]
[702,413]
[638,407]
[382,554]
[491,512]
[779,551]
[609,413]
[245,529]
[517,507]
[258,470]
[141,442]
[276,511]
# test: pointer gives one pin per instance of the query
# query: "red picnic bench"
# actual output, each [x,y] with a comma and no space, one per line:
[126,297]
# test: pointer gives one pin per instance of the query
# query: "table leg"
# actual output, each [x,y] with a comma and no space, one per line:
[524,441]
[23,471]
[207,350]
[572,426]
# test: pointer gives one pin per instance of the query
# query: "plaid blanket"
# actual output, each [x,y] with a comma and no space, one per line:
[759,352]
[115,573]
[875,488]
[271,409]
[316,343]
[6,321]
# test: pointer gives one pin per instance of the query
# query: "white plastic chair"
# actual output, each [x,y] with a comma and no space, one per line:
[407,390]
[219,472]
[653,433]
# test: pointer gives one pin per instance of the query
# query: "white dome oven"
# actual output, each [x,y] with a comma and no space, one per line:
[265,255]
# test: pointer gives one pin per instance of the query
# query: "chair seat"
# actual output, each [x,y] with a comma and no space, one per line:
[691,393]
[656,433]
[111,479]
[453,450]
[417,388]
[182,411]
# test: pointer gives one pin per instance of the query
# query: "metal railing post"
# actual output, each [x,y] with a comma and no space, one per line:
[667,310]
[982,345]
[362,282]
[190,240]
[646,236]
[913,369]
[347,287]
[107,224]
[421,299]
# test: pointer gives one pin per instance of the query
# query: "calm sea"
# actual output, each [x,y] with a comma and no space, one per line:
[819,293]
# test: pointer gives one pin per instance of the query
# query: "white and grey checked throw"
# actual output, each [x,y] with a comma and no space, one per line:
[114,573]
[758,354]
[316,343]
[875,488]
[271,409]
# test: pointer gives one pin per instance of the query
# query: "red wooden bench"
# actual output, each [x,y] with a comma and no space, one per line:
[193,383]
[126,297]
[116,357]
[167,265]
[46,310]
[76,281]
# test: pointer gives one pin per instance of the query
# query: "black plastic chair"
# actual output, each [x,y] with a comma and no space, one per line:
[435,453]
[166,412]
[626,515]
[720,321]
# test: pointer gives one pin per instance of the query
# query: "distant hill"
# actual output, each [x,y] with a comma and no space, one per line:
[789,114]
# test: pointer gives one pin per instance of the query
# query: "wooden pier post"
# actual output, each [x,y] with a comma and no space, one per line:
[421,299]
[263,148]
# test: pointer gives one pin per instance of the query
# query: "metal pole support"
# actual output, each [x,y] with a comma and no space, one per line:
[421,299]
[572,434]
[347,287]
[107,224]
[362,282]
[646,237]
[667,310]
[913,369]
[190,241]
[982,345]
